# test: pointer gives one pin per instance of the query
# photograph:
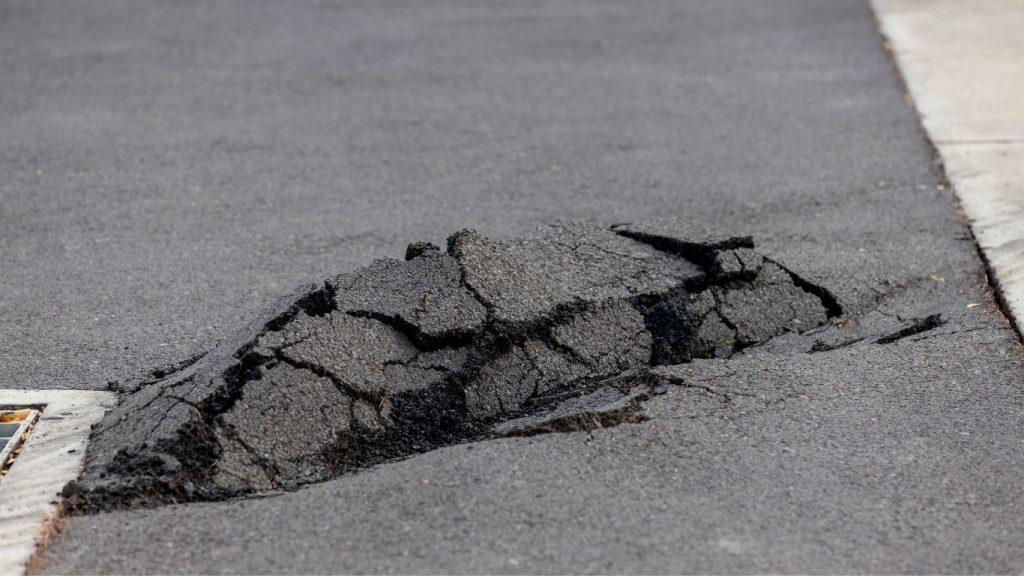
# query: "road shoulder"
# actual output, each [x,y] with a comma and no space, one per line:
[965,74]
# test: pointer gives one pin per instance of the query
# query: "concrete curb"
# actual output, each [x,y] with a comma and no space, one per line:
[52,456]
[964,67]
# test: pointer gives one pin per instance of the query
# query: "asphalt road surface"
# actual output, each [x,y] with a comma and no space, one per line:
[170,168]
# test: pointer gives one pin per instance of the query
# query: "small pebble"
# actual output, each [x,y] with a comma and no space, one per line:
[661,387]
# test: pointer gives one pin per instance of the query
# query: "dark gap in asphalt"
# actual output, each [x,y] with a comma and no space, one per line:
[916,327]
[820,346]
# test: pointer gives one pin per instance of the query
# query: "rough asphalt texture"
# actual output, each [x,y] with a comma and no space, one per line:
[170,168]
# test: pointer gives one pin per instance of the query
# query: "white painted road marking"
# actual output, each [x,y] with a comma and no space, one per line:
[964,66]
[52,456]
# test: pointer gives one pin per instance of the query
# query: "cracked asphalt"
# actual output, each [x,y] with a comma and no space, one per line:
[170,169]
[381,363]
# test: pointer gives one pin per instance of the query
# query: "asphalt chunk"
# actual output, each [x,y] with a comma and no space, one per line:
[768,306]
[502,281]
[364,357]
[258,452]
[422,296]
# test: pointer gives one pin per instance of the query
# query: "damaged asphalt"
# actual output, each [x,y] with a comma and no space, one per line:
[668,414]
[399,358]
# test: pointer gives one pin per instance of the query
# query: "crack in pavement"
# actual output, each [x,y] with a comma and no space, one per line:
[917,327]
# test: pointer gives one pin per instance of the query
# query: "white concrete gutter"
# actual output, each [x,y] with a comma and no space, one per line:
[963,61]
[50,458]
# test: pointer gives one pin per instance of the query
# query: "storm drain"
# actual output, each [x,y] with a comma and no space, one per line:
[15,426]
[43,435]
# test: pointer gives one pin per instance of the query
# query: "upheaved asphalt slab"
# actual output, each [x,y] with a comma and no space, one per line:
[170,168]
[400,358]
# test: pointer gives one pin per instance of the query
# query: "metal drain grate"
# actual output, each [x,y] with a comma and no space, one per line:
[15,426]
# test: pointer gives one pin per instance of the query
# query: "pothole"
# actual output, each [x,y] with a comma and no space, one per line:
[550,333]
